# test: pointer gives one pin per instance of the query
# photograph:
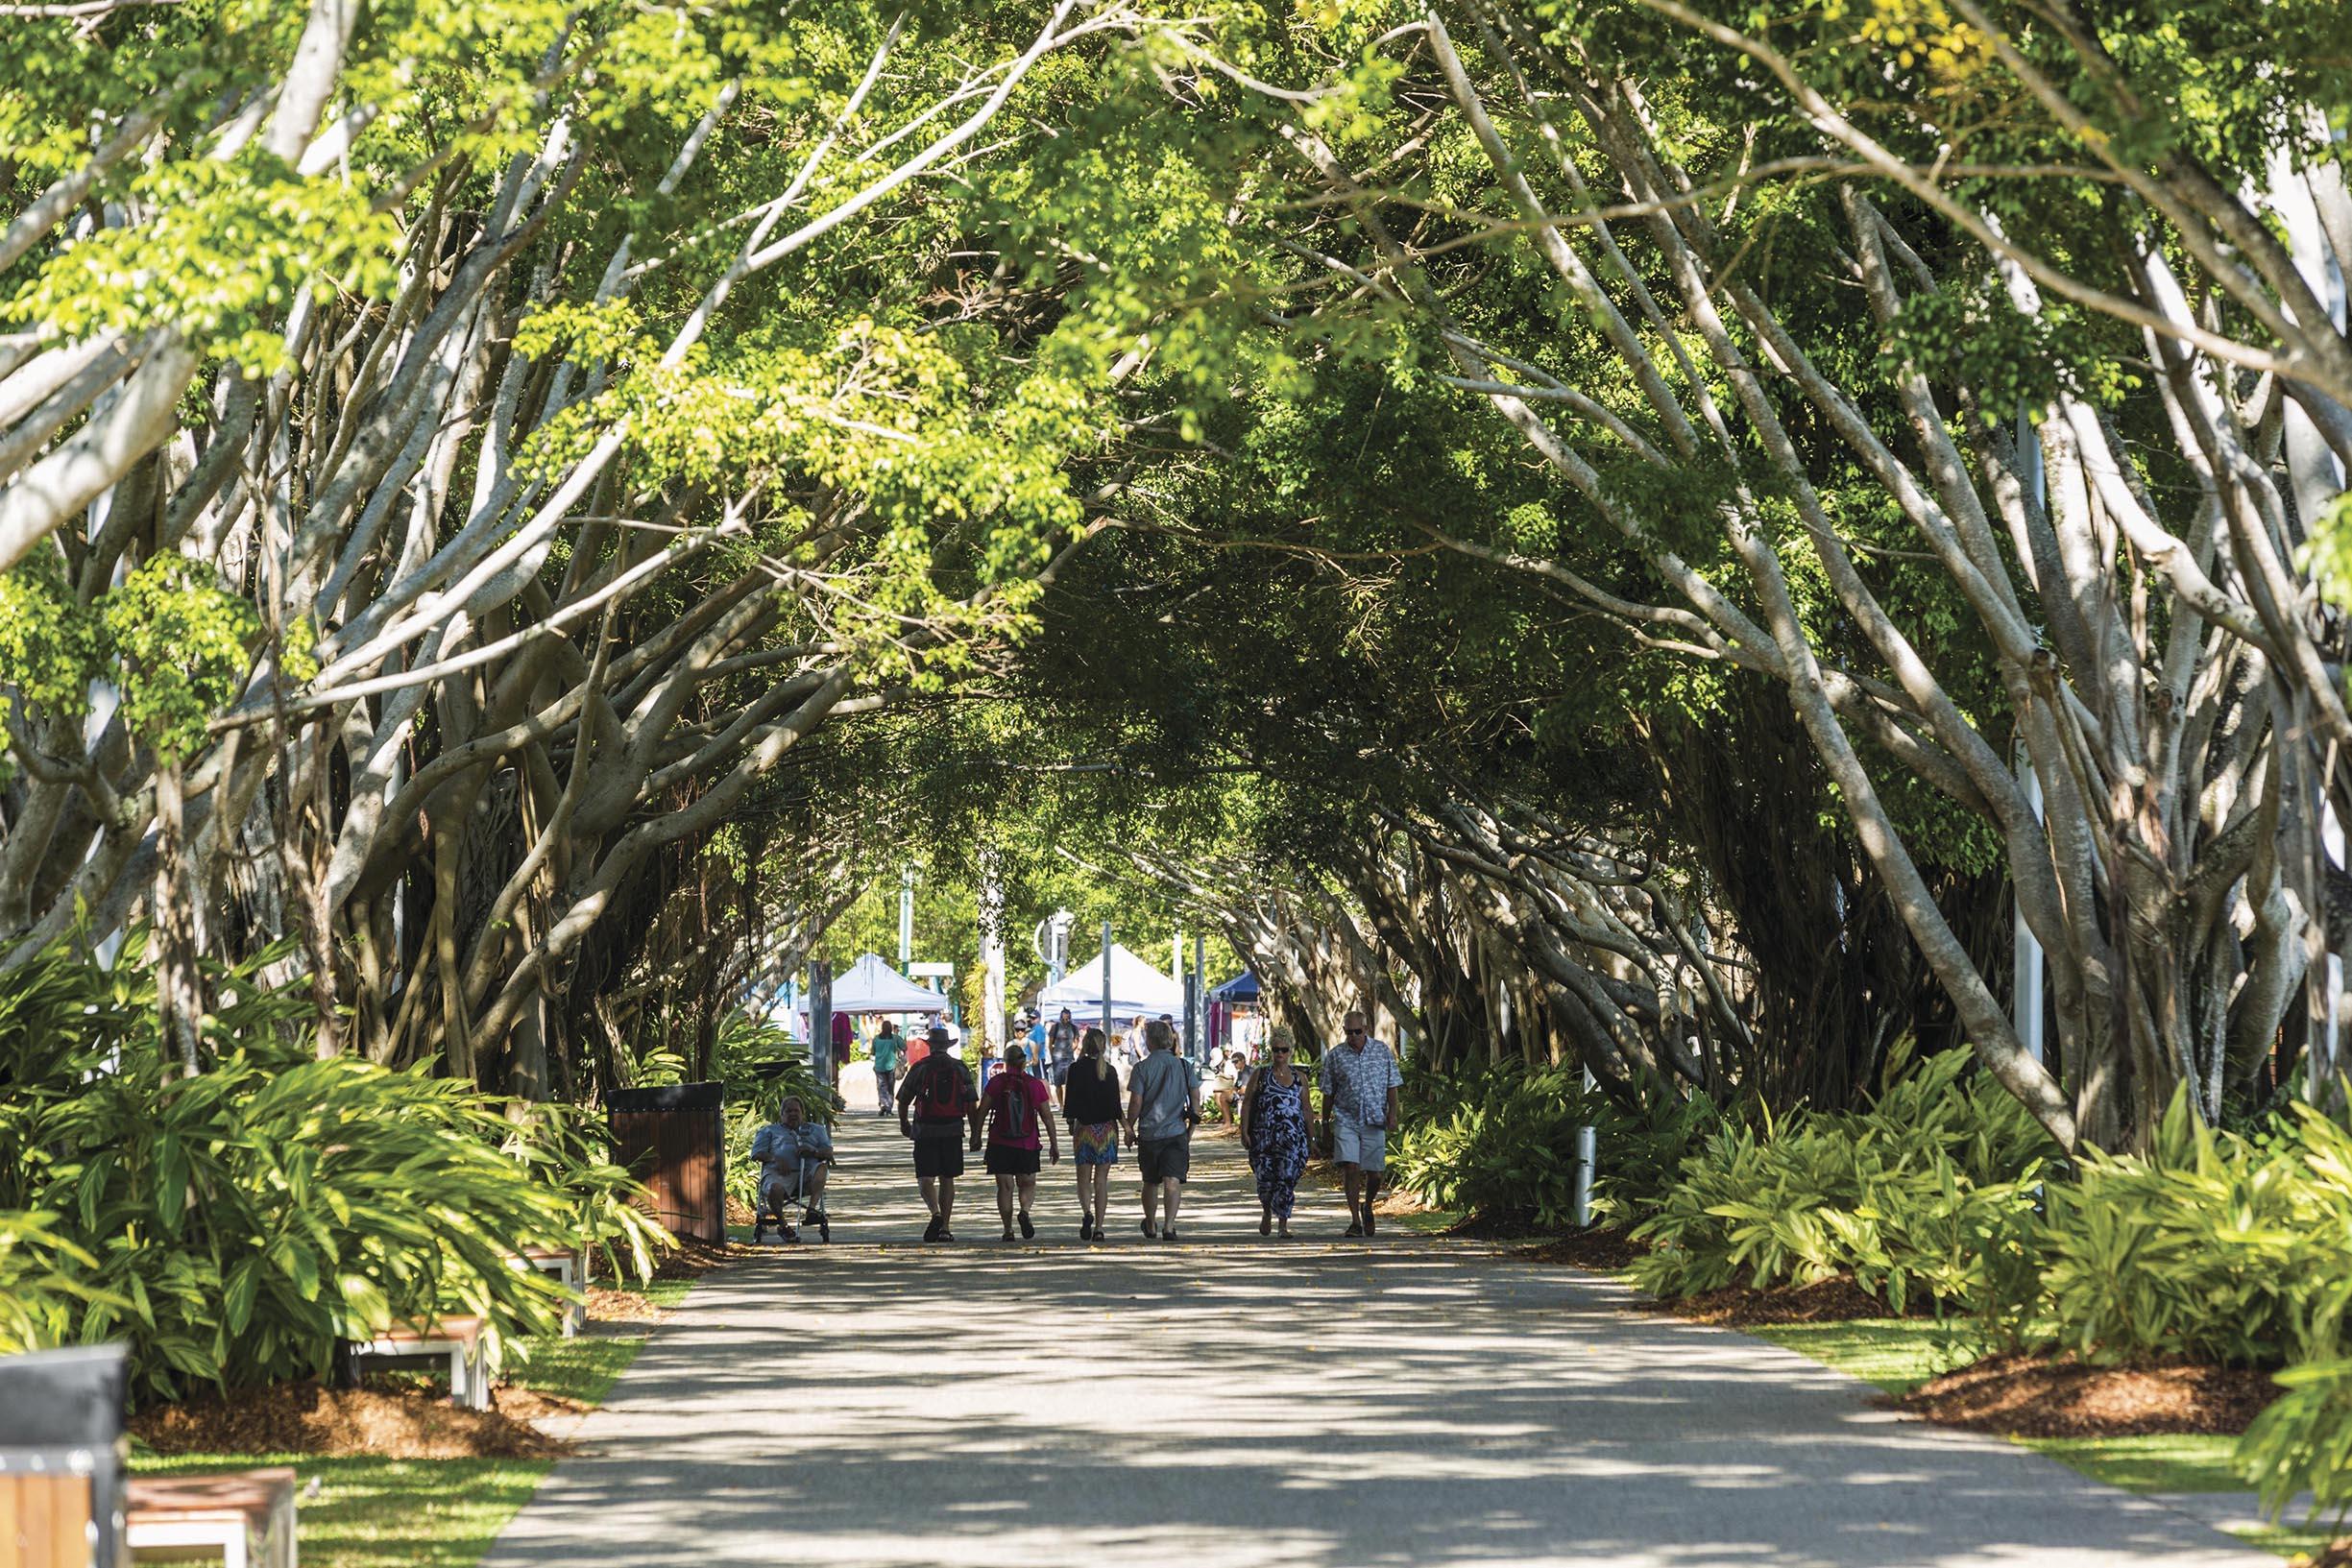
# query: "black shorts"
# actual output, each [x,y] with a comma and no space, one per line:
[1164,1159]
[1002,1160]
[938,1156]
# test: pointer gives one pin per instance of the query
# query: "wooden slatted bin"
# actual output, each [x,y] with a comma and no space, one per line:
[675,1141]
[61,1458]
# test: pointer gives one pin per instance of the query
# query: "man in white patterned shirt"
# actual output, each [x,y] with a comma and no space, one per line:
[1358,1078]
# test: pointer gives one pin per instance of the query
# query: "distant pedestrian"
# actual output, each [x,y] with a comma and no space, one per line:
[1012,1113]
[1274,1127]
[1163,1103]
[890,1059]
[1225,1084]
[1359,1082]
[934,1099]
[1061,1046]
[844,1039]
[1090,1105]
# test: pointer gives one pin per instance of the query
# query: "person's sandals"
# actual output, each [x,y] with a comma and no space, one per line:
[1369,1228]
[1007,1233]
[1028,1229]
[1285,1232]
[1355,1227]
[1266,1224]
[1151,1231]
[1085,1228]
[1168,1234]
[931,1231]
[946,1235]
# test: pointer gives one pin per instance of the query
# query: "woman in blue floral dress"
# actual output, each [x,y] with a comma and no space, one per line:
[1273,1123]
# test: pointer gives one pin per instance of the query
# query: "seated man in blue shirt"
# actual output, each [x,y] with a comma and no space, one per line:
[792,1151]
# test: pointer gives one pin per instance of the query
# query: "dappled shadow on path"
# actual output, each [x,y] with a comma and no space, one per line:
[1228,1402]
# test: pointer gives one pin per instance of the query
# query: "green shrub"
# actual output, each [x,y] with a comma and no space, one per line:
[1642,1151]
[2214,1247]
[40,1289]
[1499,1143]
[232,1226]
[1916,1196]
[2303,1442]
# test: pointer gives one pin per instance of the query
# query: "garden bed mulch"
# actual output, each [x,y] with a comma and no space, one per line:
[608,1305]
[2057,1396]
[2337,1553]
[1604,1250]
[1836,1300]
[695,1259]
[384,1421]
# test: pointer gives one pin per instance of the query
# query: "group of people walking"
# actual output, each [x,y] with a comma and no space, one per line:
[1015,1122]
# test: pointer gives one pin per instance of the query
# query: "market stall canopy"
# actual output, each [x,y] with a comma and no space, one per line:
[1242,988]
[870,985]
[1135,987]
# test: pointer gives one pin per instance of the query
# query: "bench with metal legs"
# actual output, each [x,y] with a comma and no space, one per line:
[245,1518]
[457,1341]
[566,1265]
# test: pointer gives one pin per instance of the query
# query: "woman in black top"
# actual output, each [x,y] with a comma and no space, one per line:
[1090,1105]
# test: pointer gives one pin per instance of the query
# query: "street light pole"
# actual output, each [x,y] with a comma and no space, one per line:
[1196,1003]
[906,919]
[1107,981]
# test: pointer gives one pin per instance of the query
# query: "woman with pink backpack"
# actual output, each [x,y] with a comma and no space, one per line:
[1012,1113]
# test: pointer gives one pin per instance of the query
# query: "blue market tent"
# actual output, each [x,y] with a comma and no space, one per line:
[1242,989]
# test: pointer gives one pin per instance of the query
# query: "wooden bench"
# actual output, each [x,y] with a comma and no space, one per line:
[566,1265]
[245,1518]
[458,1341]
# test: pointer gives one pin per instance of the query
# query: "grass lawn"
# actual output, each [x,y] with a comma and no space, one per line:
[371,1512]
[1898,1354]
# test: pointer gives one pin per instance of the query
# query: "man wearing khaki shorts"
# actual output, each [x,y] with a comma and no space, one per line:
[1358,1078]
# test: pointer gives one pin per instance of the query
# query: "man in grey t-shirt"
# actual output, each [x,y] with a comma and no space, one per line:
[1163,1102]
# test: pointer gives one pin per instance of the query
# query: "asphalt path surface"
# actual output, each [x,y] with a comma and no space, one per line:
[1230,1400]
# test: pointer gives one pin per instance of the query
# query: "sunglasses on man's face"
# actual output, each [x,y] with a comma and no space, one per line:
[1352,1033]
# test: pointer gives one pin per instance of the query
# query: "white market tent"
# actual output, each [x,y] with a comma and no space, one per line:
[1135,988]
[871,985]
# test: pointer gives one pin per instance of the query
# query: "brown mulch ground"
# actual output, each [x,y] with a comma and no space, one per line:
[2056,1396]
[620,1307]
[387,1421]
[2337,1553]
[1606,1250]
[1742,1306]
[695,1259]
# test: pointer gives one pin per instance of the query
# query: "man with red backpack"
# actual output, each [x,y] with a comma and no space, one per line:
[934,1101]
[1011,1109]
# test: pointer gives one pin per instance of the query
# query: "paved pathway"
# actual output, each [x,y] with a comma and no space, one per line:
[1229,1401]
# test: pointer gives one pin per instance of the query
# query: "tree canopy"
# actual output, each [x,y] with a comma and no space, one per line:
[1628,533]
